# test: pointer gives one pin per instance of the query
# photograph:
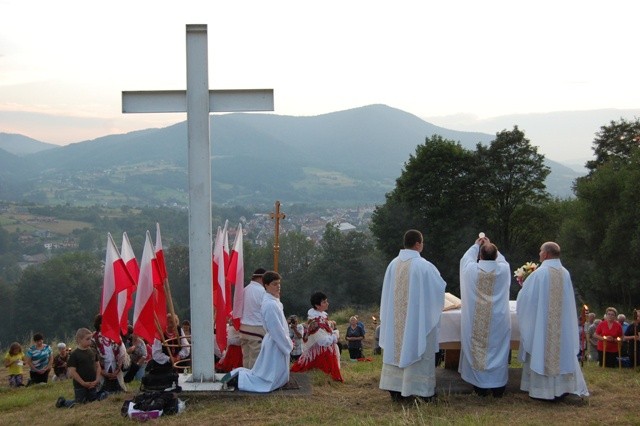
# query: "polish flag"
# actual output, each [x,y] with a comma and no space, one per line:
[116,279]
[125,299]
[227,259]
[235,277]
[219,282]
[159,277]
[162,267]
[144,308]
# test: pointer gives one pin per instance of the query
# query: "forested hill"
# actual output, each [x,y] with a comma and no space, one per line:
[351,156]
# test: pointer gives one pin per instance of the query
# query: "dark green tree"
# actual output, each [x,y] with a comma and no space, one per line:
[511,175]
[615,143]
[348,269]
[177,261]
[437,193]
[604,231]
[60,295]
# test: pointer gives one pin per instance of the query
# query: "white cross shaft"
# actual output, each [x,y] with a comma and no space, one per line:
[198,101]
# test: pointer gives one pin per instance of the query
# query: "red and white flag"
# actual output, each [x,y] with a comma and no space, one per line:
[160,275]
[144,308]
[116,279]
[227,259]
[235,276]
[125,299]
[162,267]
[219,292]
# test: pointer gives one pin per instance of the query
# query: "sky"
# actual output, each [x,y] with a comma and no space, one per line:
[63,65]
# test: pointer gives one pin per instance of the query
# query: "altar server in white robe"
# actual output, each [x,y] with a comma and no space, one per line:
[410,310]
[271,370]
[548,320]
[485,320]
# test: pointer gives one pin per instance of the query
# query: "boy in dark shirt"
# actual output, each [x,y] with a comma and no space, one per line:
[84,369]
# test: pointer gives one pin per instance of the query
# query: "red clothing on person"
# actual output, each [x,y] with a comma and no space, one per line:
[604,330]
[232,359]
[314,355]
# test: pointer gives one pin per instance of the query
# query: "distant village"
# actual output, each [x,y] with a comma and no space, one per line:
[257,229]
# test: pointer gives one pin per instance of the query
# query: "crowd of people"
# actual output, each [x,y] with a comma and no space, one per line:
[611,341]
[267,345]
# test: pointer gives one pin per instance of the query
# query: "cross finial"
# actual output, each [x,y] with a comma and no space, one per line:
[276,244]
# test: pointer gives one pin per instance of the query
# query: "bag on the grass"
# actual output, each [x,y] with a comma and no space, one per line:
[151,405]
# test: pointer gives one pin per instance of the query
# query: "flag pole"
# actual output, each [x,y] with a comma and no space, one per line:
[167,290]
[164,342]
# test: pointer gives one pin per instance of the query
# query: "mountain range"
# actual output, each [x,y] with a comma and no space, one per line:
[345,157]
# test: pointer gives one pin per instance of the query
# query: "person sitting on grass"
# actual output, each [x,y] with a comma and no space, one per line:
[84,369]
[60,371]
[14,360]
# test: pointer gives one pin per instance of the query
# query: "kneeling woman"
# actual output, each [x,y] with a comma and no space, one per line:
[271,370]
[319,345]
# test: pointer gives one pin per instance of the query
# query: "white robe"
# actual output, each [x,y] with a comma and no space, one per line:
[271,370]
[485,322]
[410,310]
[549,341]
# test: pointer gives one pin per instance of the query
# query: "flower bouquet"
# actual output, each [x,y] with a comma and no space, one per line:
[524,271]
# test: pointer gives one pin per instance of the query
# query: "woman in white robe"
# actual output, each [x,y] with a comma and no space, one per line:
[271,370]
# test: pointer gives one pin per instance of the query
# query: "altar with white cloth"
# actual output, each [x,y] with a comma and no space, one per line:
[449,338]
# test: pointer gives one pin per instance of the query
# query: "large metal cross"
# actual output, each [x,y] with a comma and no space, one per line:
[198,101]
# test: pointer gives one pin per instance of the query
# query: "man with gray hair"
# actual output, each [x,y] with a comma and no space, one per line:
[549,341]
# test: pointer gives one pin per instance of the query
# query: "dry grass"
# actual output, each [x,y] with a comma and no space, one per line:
[357,401]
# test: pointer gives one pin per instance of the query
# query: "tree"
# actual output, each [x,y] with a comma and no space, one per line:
[604,231]
[177,260]
[438,194]
[615,143]
[60,295]
[512,175]
[349,270]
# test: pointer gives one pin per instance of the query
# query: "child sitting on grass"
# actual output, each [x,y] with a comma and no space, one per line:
[14,360]
[84,368]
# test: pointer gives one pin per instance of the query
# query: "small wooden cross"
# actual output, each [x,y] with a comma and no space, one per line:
[276,244]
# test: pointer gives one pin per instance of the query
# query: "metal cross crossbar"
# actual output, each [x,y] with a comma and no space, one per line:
[198,101]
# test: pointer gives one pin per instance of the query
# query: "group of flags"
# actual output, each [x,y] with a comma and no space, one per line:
[123,278]
[228,271]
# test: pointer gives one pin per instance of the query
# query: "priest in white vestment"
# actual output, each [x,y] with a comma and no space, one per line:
[271,369]
[410,310]
[485,318]
[548,320]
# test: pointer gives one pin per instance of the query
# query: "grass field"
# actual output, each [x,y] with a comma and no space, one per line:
[12,220]
[357,401]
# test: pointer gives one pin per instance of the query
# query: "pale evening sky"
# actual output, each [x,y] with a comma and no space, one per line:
[63,65]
